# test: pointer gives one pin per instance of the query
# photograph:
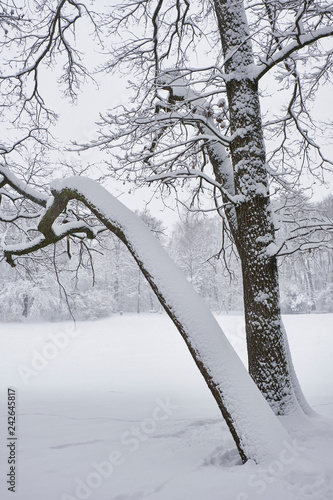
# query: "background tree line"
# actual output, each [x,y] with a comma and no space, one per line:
[102,279]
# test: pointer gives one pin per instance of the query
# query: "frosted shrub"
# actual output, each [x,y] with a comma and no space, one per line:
[92,304]
[293,300]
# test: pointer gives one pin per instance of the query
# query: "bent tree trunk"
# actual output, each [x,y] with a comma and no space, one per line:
[269,362]
[257,432]
[255,429]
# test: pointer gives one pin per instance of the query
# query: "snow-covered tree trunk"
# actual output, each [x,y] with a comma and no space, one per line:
[257,432]
[240,402]
[268,362]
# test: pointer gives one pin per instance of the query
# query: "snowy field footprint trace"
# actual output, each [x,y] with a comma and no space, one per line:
[117,410]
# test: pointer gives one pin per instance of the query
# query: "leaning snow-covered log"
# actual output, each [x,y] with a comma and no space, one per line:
[257,432]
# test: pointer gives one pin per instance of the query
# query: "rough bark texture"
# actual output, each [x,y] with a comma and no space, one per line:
[268,360]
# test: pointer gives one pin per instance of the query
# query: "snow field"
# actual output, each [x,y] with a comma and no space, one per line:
[117,410]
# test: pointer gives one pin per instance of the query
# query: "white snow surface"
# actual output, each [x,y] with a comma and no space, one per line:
[117,410]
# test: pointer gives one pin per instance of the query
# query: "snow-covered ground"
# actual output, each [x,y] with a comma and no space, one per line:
[117,410]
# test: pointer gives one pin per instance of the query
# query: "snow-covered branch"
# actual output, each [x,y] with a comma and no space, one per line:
[301,40]
[21,187]
[50,235]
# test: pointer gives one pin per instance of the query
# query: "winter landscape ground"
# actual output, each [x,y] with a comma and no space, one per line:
[116,410]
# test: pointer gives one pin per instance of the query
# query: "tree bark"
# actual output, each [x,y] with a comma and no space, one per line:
[266,341]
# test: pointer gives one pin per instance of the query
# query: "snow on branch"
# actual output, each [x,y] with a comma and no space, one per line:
[302,40]
[51,230]
[22,187]
[50,235]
